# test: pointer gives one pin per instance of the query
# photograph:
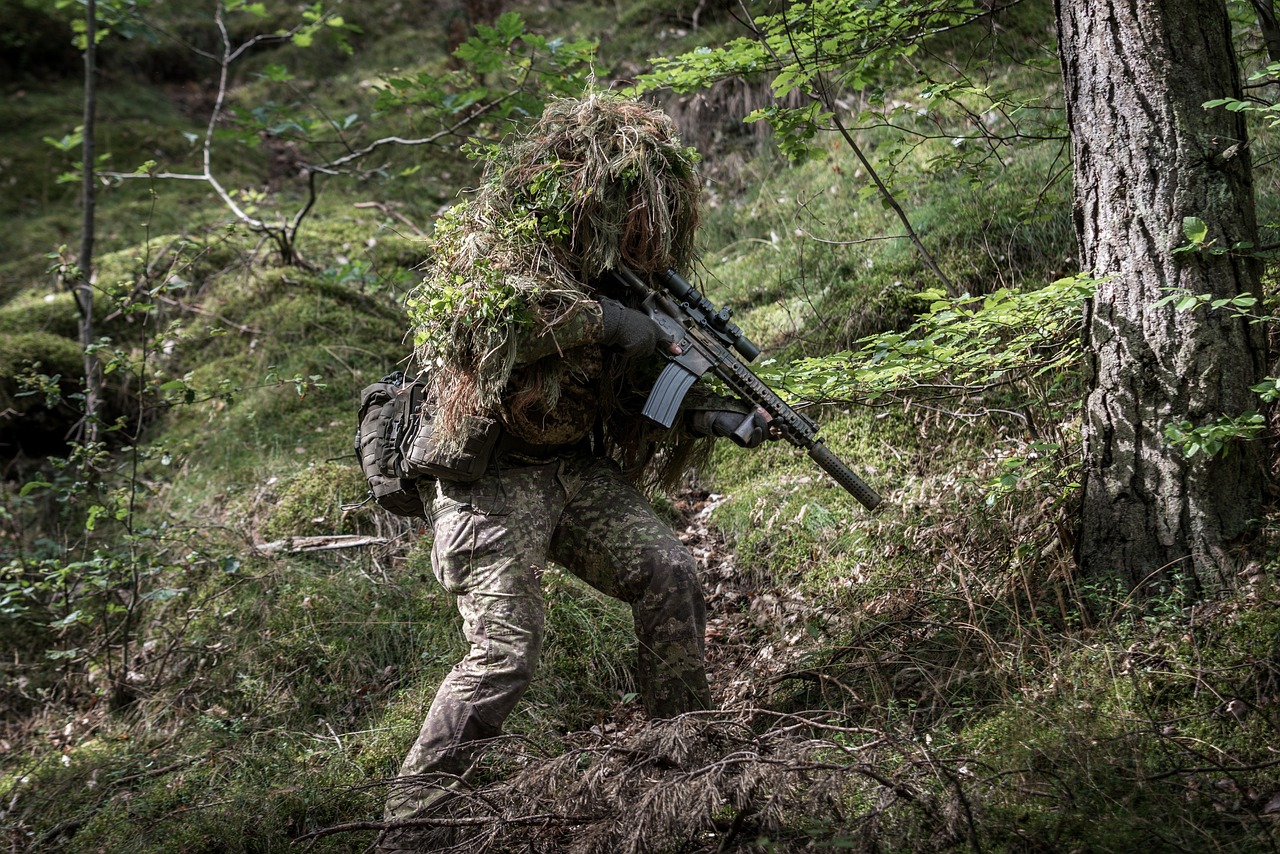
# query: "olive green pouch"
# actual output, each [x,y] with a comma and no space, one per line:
[422,456]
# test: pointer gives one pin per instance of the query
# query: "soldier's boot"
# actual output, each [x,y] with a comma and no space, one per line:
[416,799]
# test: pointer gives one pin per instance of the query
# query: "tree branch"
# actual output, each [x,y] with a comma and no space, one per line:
[821,95]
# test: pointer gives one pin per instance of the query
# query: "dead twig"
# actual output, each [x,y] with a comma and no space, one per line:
[296,545]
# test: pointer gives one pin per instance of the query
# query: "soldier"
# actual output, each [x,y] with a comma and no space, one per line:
[518,335]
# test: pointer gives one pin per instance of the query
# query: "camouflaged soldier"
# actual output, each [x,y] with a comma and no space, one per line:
[600,181]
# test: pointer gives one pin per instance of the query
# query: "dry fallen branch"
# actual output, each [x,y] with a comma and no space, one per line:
[705,782]
[295,545]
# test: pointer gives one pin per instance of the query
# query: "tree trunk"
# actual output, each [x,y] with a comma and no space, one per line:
[1269,23]
[83,287]
[1146,155]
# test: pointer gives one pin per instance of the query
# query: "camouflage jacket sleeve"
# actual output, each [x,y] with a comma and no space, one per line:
[583,325]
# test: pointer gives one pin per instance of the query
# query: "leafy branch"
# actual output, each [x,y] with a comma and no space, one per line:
[507,74]
[959,346]
[818,51]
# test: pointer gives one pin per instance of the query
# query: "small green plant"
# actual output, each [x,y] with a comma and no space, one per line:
[1214,439]
[1264,110]
[84,602]
[68,145]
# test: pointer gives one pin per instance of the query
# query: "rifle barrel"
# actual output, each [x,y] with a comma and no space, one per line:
[844,475]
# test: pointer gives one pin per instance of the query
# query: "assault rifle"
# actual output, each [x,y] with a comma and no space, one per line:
[704,335]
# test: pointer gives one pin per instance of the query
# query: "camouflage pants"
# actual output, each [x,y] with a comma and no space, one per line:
[492,538]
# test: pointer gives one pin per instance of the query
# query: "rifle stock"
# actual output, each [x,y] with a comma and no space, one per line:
[704,336]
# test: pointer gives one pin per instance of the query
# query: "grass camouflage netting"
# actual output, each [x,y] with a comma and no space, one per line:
[595,183]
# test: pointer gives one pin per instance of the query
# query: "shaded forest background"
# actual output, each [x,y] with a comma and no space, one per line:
[211,645]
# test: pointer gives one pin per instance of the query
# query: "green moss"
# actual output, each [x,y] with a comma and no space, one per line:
[282,324]
[34,311]
[337,658]
[310,502]
[216,800]
[376,246]
[136,123]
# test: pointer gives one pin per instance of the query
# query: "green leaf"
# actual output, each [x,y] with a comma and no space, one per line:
[258,10]
[63,654]
[1195,229]
[32,485]
[163,594]
[509,25]
[70,620]
[277,73]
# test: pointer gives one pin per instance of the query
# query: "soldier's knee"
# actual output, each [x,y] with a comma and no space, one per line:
[514,653]
[518,664]
[673,572]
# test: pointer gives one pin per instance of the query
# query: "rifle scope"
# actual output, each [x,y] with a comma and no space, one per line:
[680,288]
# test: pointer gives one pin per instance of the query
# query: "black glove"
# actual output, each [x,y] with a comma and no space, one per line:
[633,332]
[747,430]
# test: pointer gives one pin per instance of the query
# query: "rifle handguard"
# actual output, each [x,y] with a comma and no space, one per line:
[705,336]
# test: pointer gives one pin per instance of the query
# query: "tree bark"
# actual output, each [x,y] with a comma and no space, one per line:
[1146,155]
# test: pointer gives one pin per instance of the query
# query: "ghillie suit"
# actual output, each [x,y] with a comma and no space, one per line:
[511,325]
[596,183]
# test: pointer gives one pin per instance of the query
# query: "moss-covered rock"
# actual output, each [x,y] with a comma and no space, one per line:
[36,311]
[310,502]
[37,422]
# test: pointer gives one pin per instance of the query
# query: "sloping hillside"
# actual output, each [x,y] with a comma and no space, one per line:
[212,645]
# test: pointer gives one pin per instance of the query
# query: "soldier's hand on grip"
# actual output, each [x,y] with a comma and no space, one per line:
[632,332]
[747,430]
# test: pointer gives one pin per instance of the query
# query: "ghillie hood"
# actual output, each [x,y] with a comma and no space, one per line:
[596,182]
